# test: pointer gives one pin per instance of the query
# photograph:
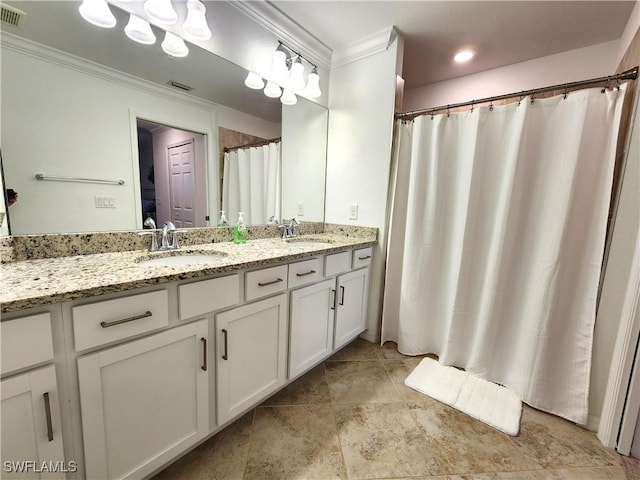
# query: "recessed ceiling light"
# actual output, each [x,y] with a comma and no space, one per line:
[463,56]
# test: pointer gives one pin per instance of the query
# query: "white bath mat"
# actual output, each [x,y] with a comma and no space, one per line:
[486,401]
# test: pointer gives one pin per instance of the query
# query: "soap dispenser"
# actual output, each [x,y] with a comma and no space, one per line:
[223,220]
[240,230]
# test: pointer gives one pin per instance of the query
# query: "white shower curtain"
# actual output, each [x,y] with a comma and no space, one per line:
[251,183]
[496,240]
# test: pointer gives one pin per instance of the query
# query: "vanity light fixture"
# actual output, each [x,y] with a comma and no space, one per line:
[161,11]
[463,56]
[285,76]
[174,45]
[139,31]
[97,12]
[196,21]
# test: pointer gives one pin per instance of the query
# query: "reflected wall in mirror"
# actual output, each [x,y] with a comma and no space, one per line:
[64,116]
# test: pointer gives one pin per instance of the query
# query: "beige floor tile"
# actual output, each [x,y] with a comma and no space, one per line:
[382,441]
[299,442]
[554,442]
[359,349]
[586,473]
[462,444]
[310,389]
[222,457]
[360,382]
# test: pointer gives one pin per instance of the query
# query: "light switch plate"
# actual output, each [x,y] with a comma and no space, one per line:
[105,202]
[353,212]
[300,209]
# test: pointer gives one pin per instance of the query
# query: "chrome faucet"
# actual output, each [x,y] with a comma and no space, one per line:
[167,228]
[289,231]
[150,223]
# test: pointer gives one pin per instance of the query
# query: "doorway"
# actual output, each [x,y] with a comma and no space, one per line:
[173,184]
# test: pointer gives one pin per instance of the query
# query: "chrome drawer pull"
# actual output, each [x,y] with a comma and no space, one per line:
[125,320]
[277,280]
[226,344]
[47,411]
[364,258]
[310,272]
[204,353]
[341,296]
[333,302]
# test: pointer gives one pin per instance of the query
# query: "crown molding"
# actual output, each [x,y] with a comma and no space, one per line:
[82,65]
[286,30]
[370,45]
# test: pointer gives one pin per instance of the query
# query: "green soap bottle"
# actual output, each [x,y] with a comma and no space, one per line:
[240,230]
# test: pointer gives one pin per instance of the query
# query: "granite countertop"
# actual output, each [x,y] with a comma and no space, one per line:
[40,282]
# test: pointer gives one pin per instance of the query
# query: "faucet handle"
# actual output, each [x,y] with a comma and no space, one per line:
[174,240]
[154,238]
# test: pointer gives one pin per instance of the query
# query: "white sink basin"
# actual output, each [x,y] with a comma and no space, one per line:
[186,258]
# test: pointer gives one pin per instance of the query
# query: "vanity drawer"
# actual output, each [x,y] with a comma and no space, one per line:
[111,320]
[337,263]
[206,296]
[25,342]
[308,271]
[362,257]
[260,283]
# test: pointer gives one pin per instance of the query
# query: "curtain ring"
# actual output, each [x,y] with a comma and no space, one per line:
[617,83]
[491,105]
[606,84]
[448,111]
[533,99]
[472,105]
[520,98]
[566,92]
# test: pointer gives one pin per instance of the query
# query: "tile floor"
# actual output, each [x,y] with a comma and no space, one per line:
[353,418]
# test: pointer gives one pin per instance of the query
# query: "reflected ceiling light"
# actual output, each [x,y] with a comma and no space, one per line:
[463,56]
[196,21]
[161,11]
[174,45]
[97,12]
[312,90]
[279,69]
[288,97]
[296,77]
[272,90]
[139,31]
[254,81]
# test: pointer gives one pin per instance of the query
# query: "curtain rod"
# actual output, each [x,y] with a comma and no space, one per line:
[631,74]
[256,144]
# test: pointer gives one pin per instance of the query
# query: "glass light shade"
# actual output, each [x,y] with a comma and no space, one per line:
[272,90]
[161,11]
[254,81]
[196,21]
[312,90]
[296,77]
[288,97]
[279,69]
[139,31]
[174,45]
[97,12]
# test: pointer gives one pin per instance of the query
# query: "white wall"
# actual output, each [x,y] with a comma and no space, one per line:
[62,118]
[243,122]
[580,64]
[361,109]
[304,153]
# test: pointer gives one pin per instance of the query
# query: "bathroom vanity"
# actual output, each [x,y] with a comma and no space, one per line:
[118,366]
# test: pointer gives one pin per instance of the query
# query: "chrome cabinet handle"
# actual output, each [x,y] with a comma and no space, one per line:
[204,354]
[277,280]
[365,257]
[310,272]
[341,296]
[125,320]
[47,412]
[333,302]
[226,345]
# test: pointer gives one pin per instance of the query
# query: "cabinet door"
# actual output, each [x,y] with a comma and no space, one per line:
[252,354]
[144,402]
[351,306]
[31,430]
[311,337]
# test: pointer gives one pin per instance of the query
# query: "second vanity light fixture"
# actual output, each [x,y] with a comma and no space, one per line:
[162,12]
[285,77]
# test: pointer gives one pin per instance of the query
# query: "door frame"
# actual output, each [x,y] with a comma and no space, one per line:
[211,159]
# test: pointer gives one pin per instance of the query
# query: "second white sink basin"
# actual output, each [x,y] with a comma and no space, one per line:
[186,258]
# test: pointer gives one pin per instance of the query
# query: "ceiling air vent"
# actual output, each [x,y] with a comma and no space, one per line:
[12,16]
[179,85]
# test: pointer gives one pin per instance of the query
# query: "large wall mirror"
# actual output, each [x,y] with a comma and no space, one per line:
[64,119]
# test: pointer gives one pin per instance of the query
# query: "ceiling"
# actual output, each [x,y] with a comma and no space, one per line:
[501,32]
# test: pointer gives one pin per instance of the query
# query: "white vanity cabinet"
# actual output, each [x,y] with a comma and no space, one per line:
[351,306]
[144,402]
[31,425]
[251,354]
